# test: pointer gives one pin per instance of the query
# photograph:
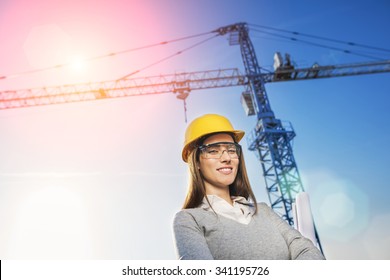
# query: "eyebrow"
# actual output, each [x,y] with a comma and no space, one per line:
[219,143]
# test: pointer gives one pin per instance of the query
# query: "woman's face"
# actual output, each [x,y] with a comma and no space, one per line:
[218,172]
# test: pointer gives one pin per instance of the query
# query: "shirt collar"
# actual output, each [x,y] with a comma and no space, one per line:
[241,210]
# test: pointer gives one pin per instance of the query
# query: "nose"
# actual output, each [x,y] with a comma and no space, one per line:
[225,157]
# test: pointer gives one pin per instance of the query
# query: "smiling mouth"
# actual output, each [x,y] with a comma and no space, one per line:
[225,170]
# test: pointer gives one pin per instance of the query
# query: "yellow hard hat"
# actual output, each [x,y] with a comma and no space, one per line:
[207,124]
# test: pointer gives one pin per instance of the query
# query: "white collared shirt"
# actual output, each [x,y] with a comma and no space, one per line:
[238,211]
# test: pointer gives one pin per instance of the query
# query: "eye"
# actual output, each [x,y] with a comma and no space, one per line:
[212,151]
[232,151]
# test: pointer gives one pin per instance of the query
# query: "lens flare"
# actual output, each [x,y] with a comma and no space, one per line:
[340,208]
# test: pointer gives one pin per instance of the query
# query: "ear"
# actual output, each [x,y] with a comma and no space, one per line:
[197,164]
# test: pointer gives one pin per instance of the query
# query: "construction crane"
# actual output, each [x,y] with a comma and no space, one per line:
[270,139]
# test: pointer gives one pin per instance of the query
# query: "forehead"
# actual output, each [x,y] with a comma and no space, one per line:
[220,137]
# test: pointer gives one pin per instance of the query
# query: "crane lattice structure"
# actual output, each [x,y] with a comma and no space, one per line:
[270,139]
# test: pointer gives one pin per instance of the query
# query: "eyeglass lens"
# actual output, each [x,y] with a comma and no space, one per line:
[216,150]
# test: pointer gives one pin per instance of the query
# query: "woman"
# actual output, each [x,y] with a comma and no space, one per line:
[220,218]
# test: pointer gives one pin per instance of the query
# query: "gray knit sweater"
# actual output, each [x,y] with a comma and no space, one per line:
[201,234]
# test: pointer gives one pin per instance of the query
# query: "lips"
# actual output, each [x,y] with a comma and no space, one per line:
[225,170]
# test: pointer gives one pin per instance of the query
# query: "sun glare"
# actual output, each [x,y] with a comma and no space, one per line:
[77,64]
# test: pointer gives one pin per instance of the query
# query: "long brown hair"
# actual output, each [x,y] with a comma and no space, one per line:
[197,190]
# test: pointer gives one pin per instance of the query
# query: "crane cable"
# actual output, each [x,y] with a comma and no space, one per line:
[323,38]
[205,33]
[168,57]
[103,56]
[321,45]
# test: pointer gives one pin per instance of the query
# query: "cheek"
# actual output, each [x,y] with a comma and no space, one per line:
[202,164]
[205,169]
[236,168]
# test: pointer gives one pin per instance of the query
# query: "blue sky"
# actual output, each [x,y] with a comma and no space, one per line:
[102,180]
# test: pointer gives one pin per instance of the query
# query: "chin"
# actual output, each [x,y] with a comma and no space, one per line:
[226,183]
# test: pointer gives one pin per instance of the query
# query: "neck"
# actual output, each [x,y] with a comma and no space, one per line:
[221,192]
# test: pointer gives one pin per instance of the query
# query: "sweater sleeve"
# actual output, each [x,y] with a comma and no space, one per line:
[189,239]
[300,248]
